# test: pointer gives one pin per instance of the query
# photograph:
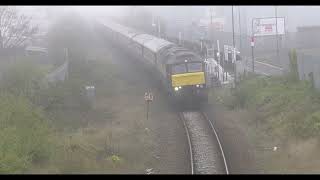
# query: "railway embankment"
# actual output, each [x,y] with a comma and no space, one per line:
[269,125]
[66,129]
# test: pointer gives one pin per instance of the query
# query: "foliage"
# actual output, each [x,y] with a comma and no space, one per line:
[69,32]
[280,102]
[25,134]
[23,78]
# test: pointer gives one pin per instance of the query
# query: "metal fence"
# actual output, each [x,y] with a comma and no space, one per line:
[309,68]
[59,74]
[270,66]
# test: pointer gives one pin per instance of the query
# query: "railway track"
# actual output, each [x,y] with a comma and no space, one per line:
[206,152]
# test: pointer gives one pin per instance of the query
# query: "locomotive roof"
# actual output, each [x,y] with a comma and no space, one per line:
[142,38]
[157,44]
[151,42]
[176,52]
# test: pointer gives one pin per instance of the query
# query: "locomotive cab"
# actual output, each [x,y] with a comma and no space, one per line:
[187,80]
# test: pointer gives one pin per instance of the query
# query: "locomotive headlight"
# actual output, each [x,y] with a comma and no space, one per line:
[180,87]
[197,85]
[176,88]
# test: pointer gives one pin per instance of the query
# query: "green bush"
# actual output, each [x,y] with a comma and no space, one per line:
[69,31]
[310,126]
[25,135]
[23,78]
[282,103]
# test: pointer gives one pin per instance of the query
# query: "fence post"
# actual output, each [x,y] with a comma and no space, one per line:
[294,64]
[311,78]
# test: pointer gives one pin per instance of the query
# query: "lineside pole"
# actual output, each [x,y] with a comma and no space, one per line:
[147,110]
[233,44]
[252,45]
[276,13]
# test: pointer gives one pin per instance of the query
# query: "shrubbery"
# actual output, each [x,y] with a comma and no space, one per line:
[25,133]
[281,102]
[23,78]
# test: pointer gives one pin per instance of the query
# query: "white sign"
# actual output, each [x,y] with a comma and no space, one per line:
[267,26]
[215,23]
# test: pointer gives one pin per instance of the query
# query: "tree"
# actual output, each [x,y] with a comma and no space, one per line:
[71,32]
[15,27]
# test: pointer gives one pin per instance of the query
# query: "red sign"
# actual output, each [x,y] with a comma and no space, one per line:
[268,28]
[252,41]
[218,26]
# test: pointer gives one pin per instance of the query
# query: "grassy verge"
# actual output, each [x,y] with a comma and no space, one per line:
[280,112]
[56,129]
[107,136]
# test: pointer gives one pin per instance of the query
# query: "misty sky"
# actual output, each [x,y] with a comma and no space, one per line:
[294,15]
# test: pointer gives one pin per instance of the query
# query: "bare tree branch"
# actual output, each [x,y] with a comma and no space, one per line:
[15,28]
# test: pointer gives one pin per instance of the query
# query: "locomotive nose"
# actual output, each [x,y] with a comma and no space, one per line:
[186,79]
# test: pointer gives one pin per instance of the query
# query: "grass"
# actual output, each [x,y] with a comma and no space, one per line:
[108,137]
[61,132]
[57,130]
[285,113]
[26,135]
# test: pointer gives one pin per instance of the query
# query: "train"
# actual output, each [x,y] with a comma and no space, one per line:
[181,72]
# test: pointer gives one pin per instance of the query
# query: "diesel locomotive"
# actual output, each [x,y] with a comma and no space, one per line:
[181,72]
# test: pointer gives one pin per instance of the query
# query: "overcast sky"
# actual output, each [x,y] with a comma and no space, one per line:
[294,15]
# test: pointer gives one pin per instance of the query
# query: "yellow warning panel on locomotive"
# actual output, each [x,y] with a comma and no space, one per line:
[188,79]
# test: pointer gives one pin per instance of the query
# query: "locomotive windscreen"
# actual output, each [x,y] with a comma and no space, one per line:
[179,68]
[194,67]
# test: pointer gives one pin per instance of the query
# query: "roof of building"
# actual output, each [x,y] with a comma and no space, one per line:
[36,48]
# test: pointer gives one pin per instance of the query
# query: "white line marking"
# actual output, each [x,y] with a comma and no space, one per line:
[262,73]
[276,67]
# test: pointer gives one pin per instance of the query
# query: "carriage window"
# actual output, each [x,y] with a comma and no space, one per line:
[179,68]
[194,67]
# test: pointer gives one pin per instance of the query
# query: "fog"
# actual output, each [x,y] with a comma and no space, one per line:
[294,15]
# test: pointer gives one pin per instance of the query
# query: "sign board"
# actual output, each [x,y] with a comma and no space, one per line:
[267,26]
[216,24]
[148,97]
[252,41]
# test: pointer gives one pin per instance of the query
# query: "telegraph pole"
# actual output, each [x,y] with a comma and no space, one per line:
[233,44]
[159,28]
[1,38]
[153,25]
[252,46]
[211,26]
[275,8]
[66,54]
[239,29]
[221,61]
